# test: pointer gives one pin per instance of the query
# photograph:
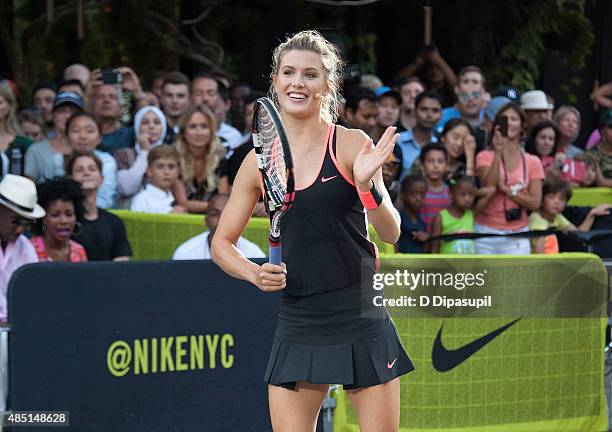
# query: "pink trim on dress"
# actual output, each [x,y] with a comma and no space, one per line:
[338,167]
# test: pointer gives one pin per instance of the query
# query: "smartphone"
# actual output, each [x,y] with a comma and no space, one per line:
[111,76]
[503,126]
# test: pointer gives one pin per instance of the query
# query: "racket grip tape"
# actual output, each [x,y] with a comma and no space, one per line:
[275,254]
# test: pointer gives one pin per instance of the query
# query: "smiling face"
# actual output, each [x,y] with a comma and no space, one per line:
[83,134]
[87,173]
[454,139]
[197,132]
[545,141]
[515,123]
[299,79]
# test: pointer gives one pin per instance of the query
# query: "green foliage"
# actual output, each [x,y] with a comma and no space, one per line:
[520,58]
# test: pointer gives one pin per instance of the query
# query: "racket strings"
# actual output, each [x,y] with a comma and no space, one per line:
[273,158]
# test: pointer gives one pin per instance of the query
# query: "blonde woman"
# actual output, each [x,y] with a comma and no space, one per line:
[13,144]
[200,156]
[321,338]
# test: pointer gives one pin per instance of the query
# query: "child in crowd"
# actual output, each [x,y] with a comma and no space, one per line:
[590,177]
[458,218]
[163,172]
[413,229]
[555,195]
[433,160]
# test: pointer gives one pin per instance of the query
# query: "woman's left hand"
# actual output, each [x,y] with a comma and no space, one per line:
[369,160]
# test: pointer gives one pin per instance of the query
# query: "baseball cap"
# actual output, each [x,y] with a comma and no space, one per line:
[65,98]
[494,105]
[509,92]
[388,91]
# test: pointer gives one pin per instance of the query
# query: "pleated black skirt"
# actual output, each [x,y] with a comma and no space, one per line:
[323,339]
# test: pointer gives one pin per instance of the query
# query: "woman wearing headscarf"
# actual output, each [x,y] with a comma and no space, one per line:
[150,129]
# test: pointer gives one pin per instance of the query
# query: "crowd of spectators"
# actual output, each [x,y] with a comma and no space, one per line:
[469,158]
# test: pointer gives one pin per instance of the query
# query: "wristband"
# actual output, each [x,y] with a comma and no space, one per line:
[370,199]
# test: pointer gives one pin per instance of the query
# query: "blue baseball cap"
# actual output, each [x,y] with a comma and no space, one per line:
[388,91]
[494,105]
[65,98]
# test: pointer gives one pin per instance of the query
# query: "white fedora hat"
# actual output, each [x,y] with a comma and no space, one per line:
[19,194]
[535,100]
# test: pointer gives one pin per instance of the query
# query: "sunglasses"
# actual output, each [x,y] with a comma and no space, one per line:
[467,96]
[23,222]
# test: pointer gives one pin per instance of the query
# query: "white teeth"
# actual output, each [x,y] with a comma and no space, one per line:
[297,96]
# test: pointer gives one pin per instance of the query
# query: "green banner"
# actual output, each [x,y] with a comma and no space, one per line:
[499,374]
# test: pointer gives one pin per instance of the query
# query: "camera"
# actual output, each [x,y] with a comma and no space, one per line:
[111,76]
[512,214]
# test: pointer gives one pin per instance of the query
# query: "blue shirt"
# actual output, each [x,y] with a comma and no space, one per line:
[410,150]
[449,114]
[120,138]
[406,244]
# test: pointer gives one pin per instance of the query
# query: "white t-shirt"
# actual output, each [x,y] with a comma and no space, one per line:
[152,200]
[197,248]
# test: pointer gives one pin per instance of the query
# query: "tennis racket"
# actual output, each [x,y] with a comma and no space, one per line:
[276,167]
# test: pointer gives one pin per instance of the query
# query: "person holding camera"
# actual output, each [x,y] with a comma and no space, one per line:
[103,94]
[517,176]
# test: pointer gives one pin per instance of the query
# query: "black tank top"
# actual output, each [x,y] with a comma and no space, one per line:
[324,233]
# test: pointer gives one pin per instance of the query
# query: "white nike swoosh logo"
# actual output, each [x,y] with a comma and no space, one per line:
[390,365]
[323,179]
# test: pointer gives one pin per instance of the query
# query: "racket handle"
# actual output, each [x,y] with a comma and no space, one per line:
[275,254]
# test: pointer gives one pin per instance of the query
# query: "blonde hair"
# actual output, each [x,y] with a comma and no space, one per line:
[10,123]
[564,110]
[311,40]
[214,150]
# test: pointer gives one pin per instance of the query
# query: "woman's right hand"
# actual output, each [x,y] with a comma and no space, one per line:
[498,140]
[144,140]
[269,277]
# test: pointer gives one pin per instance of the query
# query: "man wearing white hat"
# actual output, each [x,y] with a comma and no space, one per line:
[18,208]
[537,108]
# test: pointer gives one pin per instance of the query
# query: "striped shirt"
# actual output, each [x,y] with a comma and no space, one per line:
[435,202]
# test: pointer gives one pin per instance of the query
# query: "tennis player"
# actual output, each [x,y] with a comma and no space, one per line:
[321,337]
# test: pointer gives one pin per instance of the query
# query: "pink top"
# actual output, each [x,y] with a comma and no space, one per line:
[17,253]
[77,252]
[494,216]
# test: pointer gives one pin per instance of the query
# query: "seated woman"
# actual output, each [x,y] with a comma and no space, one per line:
[84,135]
[150,129]
[62,199]
[102,233]
[200,155]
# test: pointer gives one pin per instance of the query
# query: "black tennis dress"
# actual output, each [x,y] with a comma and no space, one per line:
[321,337]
